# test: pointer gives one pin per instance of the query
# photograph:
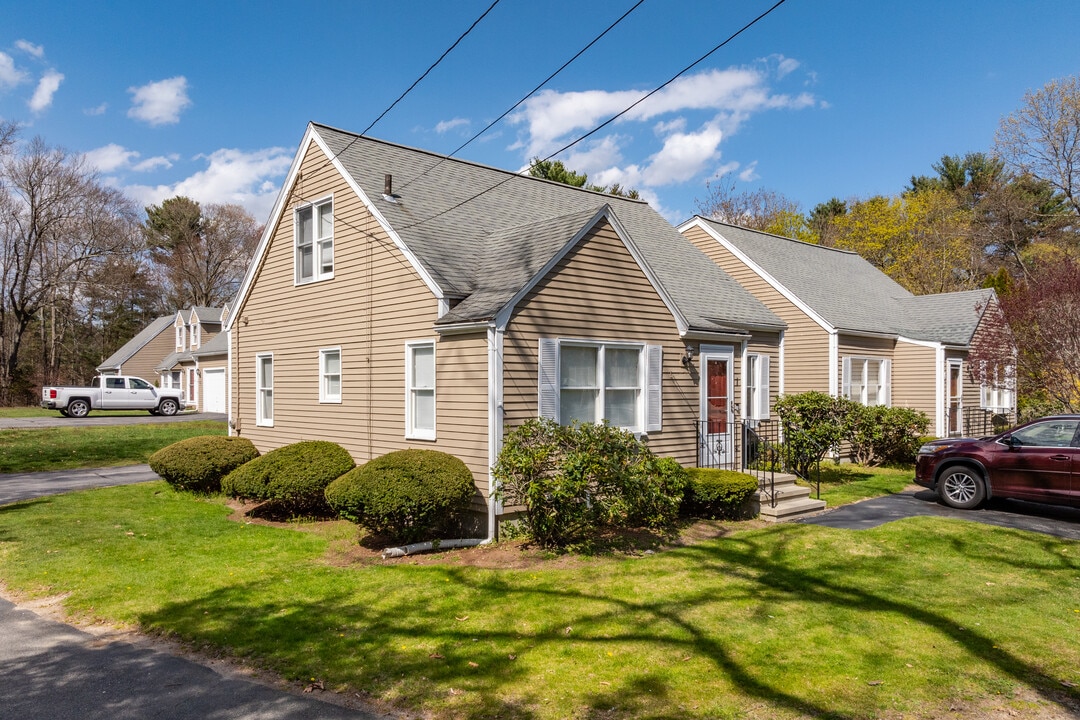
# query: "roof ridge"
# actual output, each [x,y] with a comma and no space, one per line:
[778,237]
[473,163]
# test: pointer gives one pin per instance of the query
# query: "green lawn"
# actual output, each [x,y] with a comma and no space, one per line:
[65,448]
[847,483]
[917,618]
[33,412]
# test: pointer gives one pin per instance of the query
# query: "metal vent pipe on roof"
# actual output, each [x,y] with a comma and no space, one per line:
[388,185]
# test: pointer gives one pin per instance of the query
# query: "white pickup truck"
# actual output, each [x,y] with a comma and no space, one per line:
[112,392]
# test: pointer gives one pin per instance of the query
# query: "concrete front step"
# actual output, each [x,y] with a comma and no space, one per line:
[792,500]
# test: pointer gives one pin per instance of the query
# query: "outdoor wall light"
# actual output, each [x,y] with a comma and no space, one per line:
[688,356]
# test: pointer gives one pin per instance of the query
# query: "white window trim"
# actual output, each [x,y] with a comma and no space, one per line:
[259,419]
[411,431]
[648,415]
[324,396]
[317,275]
[995,395]
[196,336]
[884,378]
[181,337]
[757,380]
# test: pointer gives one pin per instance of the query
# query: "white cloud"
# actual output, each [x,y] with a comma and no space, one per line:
[448,125]
[683,156]
[154,163]
[10,76]
[46,88]
[160,103]
[110,158]
[99,110]
[30,48]
[749,173]
[250,179]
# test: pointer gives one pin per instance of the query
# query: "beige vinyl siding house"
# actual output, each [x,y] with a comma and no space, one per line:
[194,330]
[140,355]
[853,331]
[467,301]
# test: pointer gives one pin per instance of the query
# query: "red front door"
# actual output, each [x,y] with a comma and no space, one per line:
[716,400]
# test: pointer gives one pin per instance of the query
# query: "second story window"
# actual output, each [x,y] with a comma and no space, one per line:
[315,242]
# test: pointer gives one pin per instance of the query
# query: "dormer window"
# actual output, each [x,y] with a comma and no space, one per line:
[315,242]
[196,335]
[181,337]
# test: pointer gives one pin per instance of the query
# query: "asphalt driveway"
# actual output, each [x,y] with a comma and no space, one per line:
[1017,514]
[98,418]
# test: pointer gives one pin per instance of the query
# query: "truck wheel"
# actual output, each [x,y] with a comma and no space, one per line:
[168,406]
[78,408]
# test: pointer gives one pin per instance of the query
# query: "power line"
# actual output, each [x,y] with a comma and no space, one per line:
[415,83]
[527,95]
[610,120]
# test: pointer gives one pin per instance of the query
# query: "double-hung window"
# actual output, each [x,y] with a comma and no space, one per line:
[181,338]
[420,390]
[196,337]
[866,380]
[996,391]
[315,242]
[330,375]
[264,382]
[590,382]
[757,386]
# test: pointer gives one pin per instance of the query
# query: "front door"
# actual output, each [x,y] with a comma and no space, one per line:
[717,441]
[956,408]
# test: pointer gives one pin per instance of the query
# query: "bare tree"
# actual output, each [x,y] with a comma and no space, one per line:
[760,209]
[56,222]
[1042,138]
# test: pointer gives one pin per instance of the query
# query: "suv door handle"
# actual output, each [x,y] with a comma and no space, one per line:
[1060,457]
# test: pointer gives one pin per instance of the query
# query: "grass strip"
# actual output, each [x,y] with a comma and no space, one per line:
[86,447]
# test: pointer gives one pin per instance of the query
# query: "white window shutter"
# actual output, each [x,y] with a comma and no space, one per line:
[845,384]
[654,380]
[984,395]
[886,383]
[761,412]
[548,374]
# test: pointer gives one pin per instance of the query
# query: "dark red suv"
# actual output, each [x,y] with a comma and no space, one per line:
[1039,461]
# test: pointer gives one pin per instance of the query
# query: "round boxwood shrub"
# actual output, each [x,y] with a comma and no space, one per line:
[294,475]
[717,493]
[198,464]
[408,495]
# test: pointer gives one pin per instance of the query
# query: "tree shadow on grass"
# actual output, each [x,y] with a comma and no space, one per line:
[409,645]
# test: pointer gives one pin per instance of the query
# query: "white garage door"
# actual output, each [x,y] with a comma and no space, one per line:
[214,390]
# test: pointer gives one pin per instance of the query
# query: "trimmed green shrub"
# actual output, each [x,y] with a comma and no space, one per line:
[814,424]
[572,480]
[409,495]
[882,434]
[717,493]
[198,464]
[295,475]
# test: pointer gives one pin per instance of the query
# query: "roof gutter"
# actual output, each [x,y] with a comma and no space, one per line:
[464,327]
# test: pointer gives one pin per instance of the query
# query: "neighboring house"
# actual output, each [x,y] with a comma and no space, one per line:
[401,299]
[194,330]
[853,331]
[141,355]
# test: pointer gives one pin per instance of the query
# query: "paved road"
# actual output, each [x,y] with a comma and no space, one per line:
[55,672]
[24,486]
[98,418]
[1049,519]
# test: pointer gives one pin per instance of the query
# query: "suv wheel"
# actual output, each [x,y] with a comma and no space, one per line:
[961,488]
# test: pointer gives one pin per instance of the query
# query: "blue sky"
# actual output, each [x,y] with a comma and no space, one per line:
[822,98]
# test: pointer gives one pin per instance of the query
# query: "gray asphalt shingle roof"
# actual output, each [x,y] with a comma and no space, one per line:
[479,232]
[136,343]
[217,345]
[849,293]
